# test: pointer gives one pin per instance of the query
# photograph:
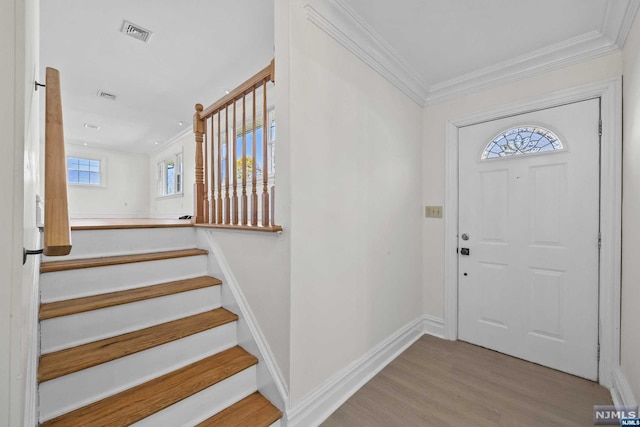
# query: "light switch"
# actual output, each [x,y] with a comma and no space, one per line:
[433,211]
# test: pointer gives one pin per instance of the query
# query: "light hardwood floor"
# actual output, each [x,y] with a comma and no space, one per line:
[446,383]
[114,223]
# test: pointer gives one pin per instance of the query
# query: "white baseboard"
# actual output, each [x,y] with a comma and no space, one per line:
[621,391]
[266,354]
[316,406]
[433,326]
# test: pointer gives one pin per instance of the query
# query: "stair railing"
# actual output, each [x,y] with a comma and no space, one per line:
[234,158]
[57,232]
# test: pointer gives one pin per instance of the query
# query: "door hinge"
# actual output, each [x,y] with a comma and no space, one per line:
[598,352]
[600,128]
[599,240]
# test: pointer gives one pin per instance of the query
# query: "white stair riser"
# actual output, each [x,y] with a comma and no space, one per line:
[69,331]
[206,403]
[62,285]
[75,390]
[123,242]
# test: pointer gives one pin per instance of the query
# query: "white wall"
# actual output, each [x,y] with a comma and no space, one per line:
[355,164]
[173,206]
[20,174]
[126,190]
[435,119]
[630,350]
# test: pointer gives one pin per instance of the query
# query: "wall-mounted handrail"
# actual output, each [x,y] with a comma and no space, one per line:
[230,160]
[57,232]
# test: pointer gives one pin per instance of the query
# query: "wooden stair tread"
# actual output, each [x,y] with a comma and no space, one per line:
[94,302]
[72,264]
[63,362]
[139,402]
[252,411]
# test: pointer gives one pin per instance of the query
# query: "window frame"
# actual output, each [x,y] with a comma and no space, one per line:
[102,172]
[161,176]
[558,138]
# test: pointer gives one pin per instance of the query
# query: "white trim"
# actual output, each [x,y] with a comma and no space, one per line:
[32,342]
[610,92]
[266,354]
[578,49]
[618,20]
[85,156]
[343,24]
[433,326]
[621,393]
[321,402]
[176,138]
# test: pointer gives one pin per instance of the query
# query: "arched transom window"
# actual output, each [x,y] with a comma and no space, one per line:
[522,140]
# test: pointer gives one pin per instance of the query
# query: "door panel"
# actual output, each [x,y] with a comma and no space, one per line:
[529,286]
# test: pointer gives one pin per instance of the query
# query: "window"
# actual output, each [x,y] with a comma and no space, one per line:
[522,140]
[259,159]
[84,171]
[170,176]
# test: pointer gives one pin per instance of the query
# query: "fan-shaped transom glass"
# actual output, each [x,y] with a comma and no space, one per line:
[522,140]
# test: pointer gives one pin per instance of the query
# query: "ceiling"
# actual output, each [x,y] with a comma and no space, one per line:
[440,39]
[192,56]
[198,49]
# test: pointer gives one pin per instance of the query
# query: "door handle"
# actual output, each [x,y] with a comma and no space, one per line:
[464,251]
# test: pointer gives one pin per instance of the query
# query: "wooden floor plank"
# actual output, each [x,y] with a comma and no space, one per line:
[127,223]
[73,264]
[134,404]
[63,362]
[252,411]
[95,302]
[451,383]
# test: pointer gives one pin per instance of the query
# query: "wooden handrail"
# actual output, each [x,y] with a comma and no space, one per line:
[220,201]
[57,232]
[244,89]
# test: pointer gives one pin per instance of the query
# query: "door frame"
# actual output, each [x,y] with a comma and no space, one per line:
[610,93]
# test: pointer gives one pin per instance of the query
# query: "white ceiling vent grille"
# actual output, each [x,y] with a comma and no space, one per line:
[136,31]
[106,95]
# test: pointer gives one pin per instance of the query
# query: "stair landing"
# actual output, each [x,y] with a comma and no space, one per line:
[124,223]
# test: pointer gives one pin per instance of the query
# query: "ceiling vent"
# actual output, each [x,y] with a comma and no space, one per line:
[136,31]
[106,95]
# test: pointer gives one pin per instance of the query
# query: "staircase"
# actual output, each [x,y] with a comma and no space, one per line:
[133,333]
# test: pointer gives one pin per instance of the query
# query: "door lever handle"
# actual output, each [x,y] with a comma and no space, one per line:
[464,251]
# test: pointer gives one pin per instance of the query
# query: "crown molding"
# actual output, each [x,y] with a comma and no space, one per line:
[339,21]
[584,47]
[618,20]
[342,23]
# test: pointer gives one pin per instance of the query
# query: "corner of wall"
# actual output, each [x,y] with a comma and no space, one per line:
[271,381]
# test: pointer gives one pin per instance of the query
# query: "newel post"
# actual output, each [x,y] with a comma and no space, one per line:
[199,190]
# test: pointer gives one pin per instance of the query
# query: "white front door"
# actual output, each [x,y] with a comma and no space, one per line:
[529,218]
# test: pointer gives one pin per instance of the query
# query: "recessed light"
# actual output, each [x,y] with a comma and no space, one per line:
[180,123]
[84,143]
[91,126]
[156,142]
[227,92]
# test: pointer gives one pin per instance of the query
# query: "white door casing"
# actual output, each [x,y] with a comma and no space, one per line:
[529,286]
[610,93]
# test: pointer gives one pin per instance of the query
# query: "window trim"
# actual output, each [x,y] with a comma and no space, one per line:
[160,178]
[103,170]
